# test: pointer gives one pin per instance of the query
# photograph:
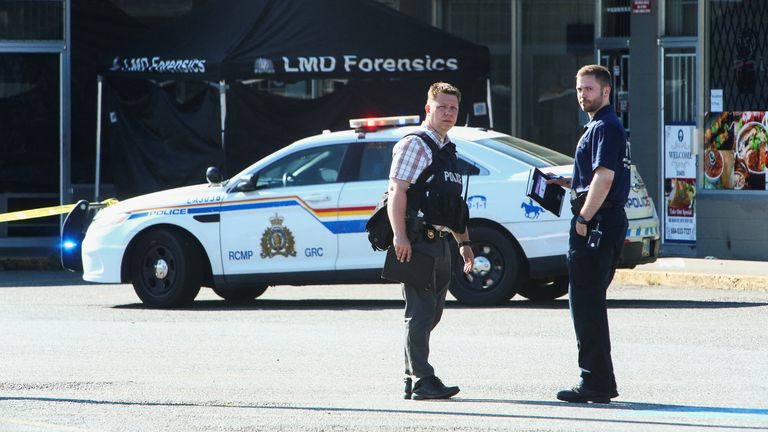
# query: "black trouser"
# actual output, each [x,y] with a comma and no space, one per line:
[590,273]
[424,307]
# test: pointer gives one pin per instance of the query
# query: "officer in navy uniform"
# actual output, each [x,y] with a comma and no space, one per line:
[599,191]
[426,185]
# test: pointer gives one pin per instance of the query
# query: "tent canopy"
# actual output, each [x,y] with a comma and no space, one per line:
[295,39]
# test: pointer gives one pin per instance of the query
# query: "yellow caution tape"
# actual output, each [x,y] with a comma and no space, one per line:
[46,211]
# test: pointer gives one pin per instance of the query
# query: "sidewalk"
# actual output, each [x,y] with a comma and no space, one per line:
[699,272]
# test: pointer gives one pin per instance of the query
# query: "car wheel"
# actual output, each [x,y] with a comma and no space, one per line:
[240,294]
[497,271]
[545,290]
[166,269]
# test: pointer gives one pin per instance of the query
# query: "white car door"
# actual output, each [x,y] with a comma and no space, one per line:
[356,203]
[287,223]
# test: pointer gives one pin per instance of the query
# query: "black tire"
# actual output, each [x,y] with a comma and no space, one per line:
[498,270]
[240,294]
[545,290]
[166,269]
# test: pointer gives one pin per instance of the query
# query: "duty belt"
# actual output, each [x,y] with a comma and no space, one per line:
[431,233]
[578,202]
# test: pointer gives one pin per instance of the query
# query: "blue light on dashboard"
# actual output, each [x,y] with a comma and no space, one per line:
[69,244]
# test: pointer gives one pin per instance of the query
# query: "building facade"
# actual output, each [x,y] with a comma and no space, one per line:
[690,85]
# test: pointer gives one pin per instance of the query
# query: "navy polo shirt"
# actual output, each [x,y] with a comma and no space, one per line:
[603,143]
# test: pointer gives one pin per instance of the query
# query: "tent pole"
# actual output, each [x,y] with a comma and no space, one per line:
[223,109]
[96,183]
[490,105]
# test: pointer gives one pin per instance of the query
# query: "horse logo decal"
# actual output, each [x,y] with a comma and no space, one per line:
[532,211]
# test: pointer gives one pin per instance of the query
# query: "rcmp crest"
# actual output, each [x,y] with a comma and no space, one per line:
[277,239]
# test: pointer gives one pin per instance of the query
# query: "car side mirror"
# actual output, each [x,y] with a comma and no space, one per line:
[247,183]
[213,175]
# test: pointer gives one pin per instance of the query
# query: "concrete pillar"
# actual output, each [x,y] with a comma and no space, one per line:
[644,103]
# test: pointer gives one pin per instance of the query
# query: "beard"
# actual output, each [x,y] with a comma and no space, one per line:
[590,105]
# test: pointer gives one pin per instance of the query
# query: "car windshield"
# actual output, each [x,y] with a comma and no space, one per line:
[526,151]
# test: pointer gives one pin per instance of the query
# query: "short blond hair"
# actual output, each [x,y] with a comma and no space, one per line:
[442,87]
[601,73]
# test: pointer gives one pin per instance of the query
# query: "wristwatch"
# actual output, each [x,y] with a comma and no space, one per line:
[580,219]
[465,243]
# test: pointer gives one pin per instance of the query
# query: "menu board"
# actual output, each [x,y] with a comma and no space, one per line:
[679,184]
[734,154]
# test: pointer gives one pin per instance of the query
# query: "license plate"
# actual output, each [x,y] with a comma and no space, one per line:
[646,247]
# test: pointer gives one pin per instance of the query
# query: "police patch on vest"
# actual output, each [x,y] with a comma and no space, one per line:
[277,239]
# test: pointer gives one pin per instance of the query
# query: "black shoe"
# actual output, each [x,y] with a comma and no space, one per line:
[432,388]
[408,388]
[581,394]
[614,393]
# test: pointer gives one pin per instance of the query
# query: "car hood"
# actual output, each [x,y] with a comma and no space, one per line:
[183,196]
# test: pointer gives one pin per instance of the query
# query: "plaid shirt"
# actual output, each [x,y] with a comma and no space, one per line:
[411,155]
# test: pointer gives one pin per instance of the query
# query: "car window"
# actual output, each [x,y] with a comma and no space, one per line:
[375,161]
[526,151]
[307,167]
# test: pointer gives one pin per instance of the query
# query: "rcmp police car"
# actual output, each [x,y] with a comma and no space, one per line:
[297,217]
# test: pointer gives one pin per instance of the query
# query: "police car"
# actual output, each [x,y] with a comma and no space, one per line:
[297,217]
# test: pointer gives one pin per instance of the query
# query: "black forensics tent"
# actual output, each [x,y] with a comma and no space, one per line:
[385,59]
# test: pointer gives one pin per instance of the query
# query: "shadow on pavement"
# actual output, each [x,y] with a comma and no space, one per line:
[369,304]
[626,406]
[319,304]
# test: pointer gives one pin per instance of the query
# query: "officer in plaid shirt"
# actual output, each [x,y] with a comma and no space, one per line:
[424,305]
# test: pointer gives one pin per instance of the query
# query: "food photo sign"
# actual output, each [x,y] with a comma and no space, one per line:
[735,150]
[679,184]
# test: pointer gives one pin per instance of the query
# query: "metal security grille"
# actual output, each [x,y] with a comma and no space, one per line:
[738,50]
[679,86]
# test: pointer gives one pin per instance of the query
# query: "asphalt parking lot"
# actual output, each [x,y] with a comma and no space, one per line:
[82,357]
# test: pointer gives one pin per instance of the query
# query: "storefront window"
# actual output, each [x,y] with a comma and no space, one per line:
[680,18]
[735,131]
[550,56]
[486,22]
[615,17]
[29,121]
[32,20]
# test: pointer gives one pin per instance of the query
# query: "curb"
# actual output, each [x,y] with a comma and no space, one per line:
[700,280]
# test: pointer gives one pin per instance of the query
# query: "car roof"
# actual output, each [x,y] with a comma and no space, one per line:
[395,133]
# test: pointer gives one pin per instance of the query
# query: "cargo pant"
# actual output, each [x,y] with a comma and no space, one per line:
[591,272]
[424,307]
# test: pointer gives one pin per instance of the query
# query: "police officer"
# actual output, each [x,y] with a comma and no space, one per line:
[599,191]
[424,166]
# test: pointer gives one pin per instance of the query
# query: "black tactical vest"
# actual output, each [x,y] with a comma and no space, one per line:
[437,192]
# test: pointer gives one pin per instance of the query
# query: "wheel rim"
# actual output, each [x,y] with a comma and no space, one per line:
[158,270]
[487,270]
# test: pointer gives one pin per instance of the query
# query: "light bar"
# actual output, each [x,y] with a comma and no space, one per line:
[377,122]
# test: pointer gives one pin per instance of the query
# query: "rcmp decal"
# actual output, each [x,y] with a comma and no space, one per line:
[277,239]
[205,199]
[343,220]
[532,211]
[477,202]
